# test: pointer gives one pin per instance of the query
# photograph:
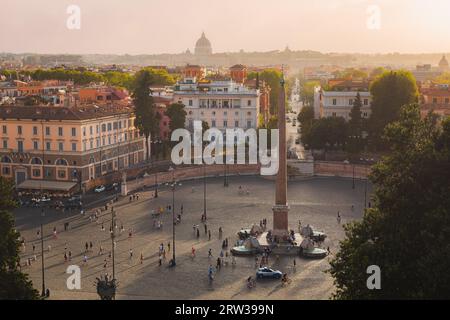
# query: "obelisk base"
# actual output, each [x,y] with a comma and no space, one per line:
[280,221]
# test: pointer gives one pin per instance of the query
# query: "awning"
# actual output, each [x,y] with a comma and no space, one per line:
[47,185]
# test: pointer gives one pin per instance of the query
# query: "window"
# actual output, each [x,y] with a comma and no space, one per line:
[225,123]
[5,144]
[366,102]
[115,126]
[447,100]
[61,162]
[236,123]
[4,130]
[91,144]
[334,114]
[350,102]
[190,103]
[334,102]
[48,146]
[60,131]
[61,146]
[249,103]
[35,145]
[91,131]
[249,123]
[213,123]
[36,173]
[47,131]
[365,114]
[20,146]
[35,130]
[434,100]
[62,174]
[6,170]
[109,126]
[19,129]
[74,146]
[84,131]
[225,113]
[103,127]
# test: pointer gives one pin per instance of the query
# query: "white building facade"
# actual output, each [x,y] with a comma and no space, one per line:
[339,103]
[222,104]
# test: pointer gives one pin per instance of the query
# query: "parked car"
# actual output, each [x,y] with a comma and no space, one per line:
[267,272]
[100,189]
[114,186]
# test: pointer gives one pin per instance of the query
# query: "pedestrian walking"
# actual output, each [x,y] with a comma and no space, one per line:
[90,245]
[142,258]
[198,234]
[168,246]
[65,257]
[85,258]
[193,252]
[34,248]
[86,246]
[220,232]
[206,228]
[338,218]
[70,255]
[181,209]
[209,253]
[160,259]
[209,235]
[218,264]
[131,254]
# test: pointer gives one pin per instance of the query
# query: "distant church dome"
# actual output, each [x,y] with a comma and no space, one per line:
[443,64]
[203,46]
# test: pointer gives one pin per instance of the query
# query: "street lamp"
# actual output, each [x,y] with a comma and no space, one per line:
[42,252]
[113,236]
[366,162]
[173,186]
[204,191]
[155,143]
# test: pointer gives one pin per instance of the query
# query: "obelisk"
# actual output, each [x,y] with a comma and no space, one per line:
[281,208]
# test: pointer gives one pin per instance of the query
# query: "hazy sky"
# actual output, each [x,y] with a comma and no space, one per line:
[172,26]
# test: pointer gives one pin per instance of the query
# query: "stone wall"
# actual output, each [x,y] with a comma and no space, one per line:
[340,169]
[188,173]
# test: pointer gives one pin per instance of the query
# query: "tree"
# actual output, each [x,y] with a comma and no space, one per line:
[307,92]
[14,285]
[355,125]
[273,78]
[305,117]
[177,116]
[205,126]
[146,116]
[407,231]
[326,133]
[390,91]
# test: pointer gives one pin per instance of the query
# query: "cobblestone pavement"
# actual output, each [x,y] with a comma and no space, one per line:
[315,201]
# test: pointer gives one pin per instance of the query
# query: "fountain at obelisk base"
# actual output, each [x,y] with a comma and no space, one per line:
[281,240]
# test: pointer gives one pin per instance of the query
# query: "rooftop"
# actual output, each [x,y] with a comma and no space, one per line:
[62,113]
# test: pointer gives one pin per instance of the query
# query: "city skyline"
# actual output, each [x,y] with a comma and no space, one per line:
[109,27]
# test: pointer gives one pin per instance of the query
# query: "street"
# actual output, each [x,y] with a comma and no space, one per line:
[315,201]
